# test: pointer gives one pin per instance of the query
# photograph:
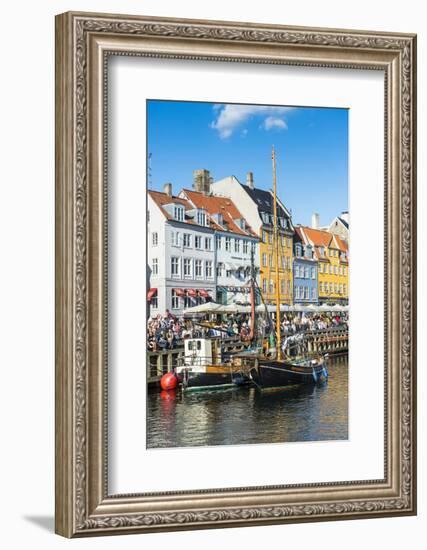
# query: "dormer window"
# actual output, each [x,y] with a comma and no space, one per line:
[298,250]
[178,213]
[322,251]
[201,217]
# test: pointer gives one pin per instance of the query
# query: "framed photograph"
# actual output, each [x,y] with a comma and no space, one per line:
[235,274]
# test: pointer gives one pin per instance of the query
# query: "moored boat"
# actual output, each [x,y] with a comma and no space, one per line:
[204,368]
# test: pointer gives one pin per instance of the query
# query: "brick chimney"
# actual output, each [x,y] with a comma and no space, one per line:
[167,188]
[202,181]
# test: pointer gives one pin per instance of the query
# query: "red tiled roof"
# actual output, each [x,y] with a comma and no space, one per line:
[162,199]
[220,205]
[342,244]
[318,237]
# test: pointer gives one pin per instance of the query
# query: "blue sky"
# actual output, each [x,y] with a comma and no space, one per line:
[311,150]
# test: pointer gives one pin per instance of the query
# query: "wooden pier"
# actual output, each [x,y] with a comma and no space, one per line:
[331,341]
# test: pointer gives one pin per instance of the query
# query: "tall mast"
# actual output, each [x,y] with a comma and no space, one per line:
[276,259]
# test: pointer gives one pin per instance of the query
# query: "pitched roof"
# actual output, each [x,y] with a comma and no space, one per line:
[317,237]
[345,224]
[162,199]
[264,201]
[220,205]
[342,244]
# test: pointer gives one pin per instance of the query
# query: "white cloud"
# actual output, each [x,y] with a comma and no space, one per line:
[229,117]
[276,123]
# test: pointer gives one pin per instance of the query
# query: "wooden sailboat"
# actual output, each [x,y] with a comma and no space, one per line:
[281,371]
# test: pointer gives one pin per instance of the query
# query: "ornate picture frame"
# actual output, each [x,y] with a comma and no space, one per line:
[84,42]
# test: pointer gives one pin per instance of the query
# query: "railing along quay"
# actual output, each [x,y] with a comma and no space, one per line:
[319,341]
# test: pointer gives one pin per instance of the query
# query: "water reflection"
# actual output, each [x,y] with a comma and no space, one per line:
[246,415]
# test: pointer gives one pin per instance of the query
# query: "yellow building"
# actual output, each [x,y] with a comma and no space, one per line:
[268,266]
[331,252]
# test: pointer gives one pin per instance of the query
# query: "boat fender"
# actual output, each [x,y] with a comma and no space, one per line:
[168,381]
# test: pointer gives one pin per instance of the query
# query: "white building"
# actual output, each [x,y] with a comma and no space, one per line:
[235,243]
[181,254]
[340,226]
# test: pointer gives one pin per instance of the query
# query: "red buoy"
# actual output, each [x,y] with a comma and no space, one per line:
[168,381]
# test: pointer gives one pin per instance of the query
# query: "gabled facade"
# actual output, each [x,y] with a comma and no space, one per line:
[235,242]
[256,205]
[305,277]
[331,253]
[340,226]
[181,254]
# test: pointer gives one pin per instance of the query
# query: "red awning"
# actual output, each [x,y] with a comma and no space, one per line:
[203,293]
[152,292]
[179,291]
[191,292]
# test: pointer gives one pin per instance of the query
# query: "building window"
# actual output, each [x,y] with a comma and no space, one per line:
[154,302]
[155,239]
[289,286]
[270,260]
[297,271]
[270,237]
[313,293]
[345,290]
[188,302]
[326,286]
[283,261]
[179,213]
[264,285]
[321,287]
[298,250]
[330,269]
[201,217]
[264,236]
[237,245]
[198,242]
[198,268]
[336,288]
[208,243]
[282,286]
[227,244]
[321,268]
[313,273]
[155,268]
[271,286]
[187,240]
[174,266]
[306,293]
[208,270]
[341,288]
[175,299]
[245,247]
[187,267]
[218,243]
[219,269]
[341,270]
[175,238]
[336,269]
[264,259]
[307,273]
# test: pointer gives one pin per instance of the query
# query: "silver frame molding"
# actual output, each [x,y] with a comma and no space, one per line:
[83,43]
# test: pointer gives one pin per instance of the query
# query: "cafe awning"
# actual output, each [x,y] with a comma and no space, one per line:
[191,292]
[151,293]
[179,291]
[203,293]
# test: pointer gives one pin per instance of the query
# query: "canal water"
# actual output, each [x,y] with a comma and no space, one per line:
[246,415]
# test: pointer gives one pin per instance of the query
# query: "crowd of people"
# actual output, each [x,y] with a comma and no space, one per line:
[168,331]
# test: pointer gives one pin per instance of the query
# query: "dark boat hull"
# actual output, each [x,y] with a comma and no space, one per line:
[277,374]
[193,381]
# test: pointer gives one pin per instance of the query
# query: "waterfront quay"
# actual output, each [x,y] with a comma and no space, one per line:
[333,341]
